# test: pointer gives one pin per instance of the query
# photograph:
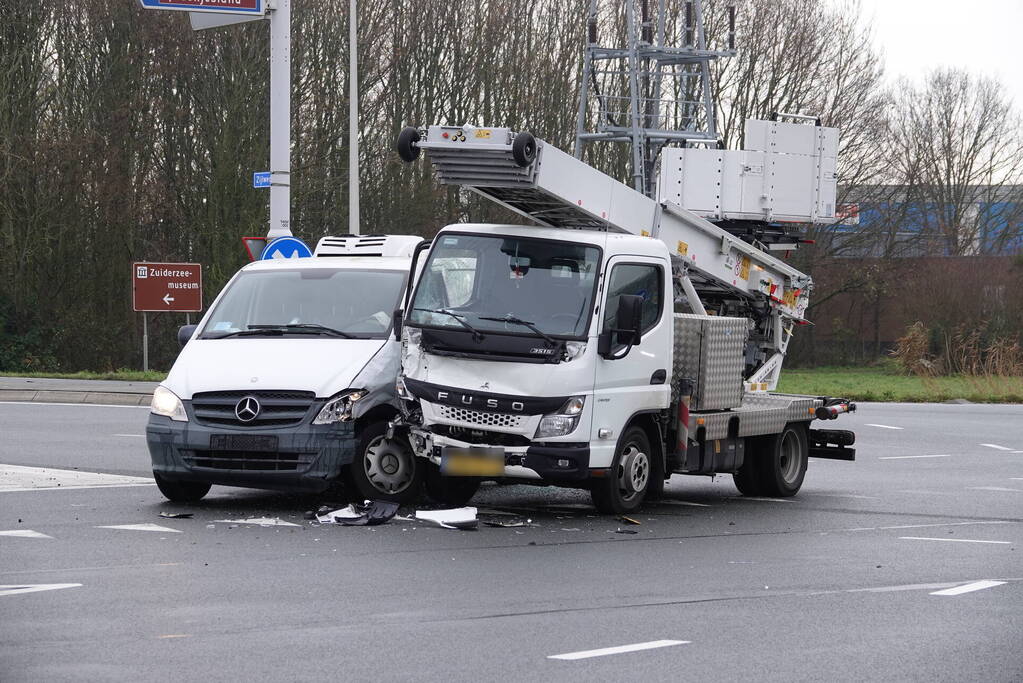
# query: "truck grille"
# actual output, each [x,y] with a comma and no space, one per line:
[478,417]
[277,408]
[248,460]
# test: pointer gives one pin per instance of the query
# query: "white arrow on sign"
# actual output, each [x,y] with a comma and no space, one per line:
[167,299]
[35,588]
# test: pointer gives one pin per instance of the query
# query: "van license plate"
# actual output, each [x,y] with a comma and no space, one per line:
[471,462]
[243,442]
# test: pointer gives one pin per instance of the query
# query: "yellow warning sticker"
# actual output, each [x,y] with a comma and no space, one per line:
[790,297]
[482,133]
[645,233]
[683,248]
[744,268]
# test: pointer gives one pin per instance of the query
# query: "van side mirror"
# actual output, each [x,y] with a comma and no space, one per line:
[627,327]
[185,333]
[396,319]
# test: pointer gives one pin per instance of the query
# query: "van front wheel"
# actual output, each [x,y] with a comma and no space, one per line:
[385,469]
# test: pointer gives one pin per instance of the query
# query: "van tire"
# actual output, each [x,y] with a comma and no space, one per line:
[625,486]
[453,491]
[385,469]
[181,491]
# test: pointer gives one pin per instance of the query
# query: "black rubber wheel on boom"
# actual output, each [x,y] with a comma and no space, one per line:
[524,149]
[407,149]
[625,486]
[453,491]
[782,463]
[181,491]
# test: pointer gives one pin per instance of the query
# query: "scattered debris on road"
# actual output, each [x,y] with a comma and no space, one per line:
[177,515]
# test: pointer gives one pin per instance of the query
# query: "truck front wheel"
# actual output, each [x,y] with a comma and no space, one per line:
[385,469]
[625,485]
[453,491]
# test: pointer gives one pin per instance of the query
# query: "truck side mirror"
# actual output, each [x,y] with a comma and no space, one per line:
[627,327]
[396,319]
[185,333]
[629,319]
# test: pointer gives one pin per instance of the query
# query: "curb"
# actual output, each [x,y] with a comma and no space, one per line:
[84,397]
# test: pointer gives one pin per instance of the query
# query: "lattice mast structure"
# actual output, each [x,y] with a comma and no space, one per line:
[645,92]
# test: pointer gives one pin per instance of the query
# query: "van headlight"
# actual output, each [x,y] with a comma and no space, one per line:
[339,408]
[165,402]
[562,422]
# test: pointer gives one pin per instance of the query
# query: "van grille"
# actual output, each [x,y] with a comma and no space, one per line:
[248,460]
[277,408]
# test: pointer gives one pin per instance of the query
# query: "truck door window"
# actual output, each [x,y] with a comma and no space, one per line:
[636,279]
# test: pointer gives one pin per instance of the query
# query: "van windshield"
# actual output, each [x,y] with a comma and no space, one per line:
[308,302]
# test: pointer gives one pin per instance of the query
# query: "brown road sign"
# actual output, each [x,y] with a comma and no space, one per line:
[166,287]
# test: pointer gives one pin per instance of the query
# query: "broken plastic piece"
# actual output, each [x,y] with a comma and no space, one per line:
[630,520]
[456,518]
[177,515]
[367,513]
[626,531]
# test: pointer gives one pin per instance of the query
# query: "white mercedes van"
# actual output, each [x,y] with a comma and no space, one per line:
[287,382]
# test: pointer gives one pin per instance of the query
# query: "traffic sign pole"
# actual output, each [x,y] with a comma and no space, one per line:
[353,121]
[280,120]
[145,343]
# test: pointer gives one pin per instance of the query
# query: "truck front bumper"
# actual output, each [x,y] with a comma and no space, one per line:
[306,457]
[552,461]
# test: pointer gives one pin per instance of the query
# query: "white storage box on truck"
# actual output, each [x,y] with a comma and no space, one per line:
[554,353]
[287,382]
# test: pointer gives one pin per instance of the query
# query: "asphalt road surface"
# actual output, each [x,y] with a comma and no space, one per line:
[905,565]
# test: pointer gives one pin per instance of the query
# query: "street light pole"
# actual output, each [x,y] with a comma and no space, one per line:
[353,121]
[280,120]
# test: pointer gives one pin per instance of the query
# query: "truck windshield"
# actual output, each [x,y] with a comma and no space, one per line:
[307,302]
[512,285]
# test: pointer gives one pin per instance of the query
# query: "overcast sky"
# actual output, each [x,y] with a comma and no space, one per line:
[984,36]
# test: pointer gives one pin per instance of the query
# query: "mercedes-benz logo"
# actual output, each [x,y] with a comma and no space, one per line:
[247,409]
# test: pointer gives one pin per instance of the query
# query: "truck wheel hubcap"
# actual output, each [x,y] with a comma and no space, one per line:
[633,472]
[389,466]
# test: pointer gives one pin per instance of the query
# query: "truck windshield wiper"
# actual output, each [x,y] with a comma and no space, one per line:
[277,330]
[525,323]
[477,336]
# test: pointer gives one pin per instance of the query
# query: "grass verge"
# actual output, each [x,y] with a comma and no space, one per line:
[124,375]
[877,384]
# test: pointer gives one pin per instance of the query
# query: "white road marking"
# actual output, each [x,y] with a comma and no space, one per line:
[261,521]
[35,588]
[17,478]
[897,589]
[992,488]
[926,526]
[73,405]
[969,587]
[907,457]
[141,527]
[24,533]
[140,436]
[996,447]
[882,426]
[1016,478]
[585,654]
[952,540]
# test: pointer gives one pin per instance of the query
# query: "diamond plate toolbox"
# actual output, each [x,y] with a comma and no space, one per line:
[709,350]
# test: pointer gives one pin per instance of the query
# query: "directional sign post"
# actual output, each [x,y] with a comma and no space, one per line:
[164,287]
[285,248]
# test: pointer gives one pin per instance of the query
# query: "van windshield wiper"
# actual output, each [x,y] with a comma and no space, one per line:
[525,323]
[278,330]
[477,336]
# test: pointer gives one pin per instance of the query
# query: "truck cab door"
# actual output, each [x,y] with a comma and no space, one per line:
[637,382]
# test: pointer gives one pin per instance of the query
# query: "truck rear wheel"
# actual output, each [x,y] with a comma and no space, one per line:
[385,469]
[746,478]
[453,491]
[782,462]
[181,491]
[626,483]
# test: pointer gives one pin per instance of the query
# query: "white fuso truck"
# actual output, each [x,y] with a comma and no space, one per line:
[620,339]
[287,382]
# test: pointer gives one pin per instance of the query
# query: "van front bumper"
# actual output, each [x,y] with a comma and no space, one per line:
[302,458]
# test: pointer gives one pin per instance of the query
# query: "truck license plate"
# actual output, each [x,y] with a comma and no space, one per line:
[471,462]
[243,442]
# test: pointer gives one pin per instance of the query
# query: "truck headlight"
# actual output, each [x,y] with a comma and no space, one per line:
[165,402]
[402,391]
[562,422]
[339,408]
